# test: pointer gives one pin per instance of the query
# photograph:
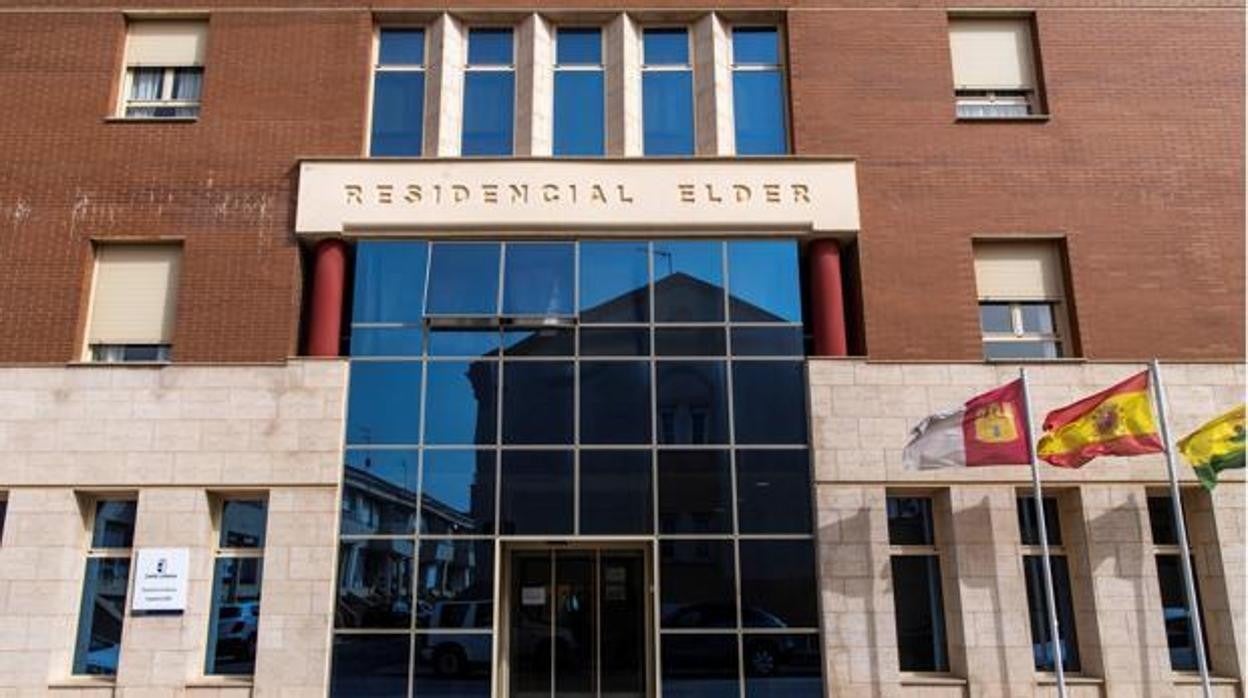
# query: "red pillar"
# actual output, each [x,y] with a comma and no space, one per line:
[325,320]
[827,301]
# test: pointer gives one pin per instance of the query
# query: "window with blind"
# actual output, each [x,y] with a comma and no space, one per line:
[133,301]
[164,69]
[1022,303]
[994,67]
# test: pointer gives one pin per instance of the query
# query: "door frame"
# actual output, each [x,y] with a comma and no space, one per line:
[502,621]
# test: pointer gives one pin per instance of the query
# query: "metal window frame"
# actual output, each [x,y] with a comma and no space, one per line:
[91,503]
[220,552]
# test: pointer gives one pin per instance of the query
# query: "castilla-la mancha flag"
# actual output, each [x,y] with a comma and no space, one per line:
[1118,421]
[988,429]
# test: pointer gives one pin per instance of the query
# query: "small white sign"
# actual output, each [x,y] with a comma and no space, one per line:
[160,579]
[533,596]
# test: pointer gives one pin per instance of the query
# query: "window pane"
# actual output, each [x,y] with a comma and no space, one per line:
[1037,317]
[763,282]
[695,492]
[698,584]
[580,121]
[468,343]
[666,46]
[537,494]
[374,584]
[1176,615]
[996,317]
[769,399]
[370,665]
[537,402]
[379,492]
[704,666]
[114,524]
[460,402]
[578,45]
[782,666]
[616,494]
[455,584]
[910,521]
[458,492]
[667,112]
[689,280]
[690,341]
[767,341]
[773,491]
[384,404]
[389,281]
[489,106]
[692,402]
[758,109]
[615,402]
[146,83]
[1038,613]
[1029,527]
[463,278]
[755,45]
[545,341]
[1022,350]
[489,46]
[778,588]
[1162,521]
[389,342]
[614,277]
[453,666]
[614,342]
[920,615]
[242,523]
[234,623]
[398,113]
[402,47]
[187,83]
[537,279]
[101,615]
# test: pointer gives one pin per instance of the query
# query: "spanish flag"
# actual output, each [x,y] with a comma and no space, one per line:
[1216,446]
[1117,421]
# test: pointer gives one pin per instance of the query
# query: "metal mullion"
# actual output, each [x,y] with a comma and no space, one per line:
[554,618]
[699,631]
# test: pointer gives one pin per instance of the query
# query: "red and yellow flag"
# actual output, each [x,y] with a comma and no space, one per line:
[1117,421]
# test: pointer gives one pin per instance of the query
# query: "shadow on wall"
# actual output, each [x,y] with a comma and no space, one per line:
[979,518]
[859,591]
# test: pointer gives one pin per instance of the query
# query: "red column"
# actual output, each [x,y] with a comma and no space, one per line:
[827,299]
[328,277]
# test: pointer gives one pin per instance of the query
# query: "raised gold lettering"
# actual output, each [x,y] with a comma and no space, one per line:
[624,197]
[413,194]
[519,193]
[687,193]
[742,193]
[801,194]
[459,193]
[597,194]
[489,193]
[355,193]
[385,193]
[772,192]
[710,195]
[550,193]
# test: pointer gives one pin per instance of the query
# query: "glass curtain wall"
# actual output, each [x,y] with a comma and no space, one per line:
[640,389]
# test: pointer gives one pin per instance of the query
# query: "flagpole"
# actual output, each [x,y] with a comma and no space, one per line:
[1058,669]
[1176,498]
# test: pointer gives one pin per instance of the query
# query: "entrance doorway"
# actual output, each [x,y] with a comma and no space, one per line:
[578,623]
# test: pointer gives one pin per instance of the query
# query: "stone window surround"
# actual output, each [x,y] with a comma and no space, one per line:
[446,48]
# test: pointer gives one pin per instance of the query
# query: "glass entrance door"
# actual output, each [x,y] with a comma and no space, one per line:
[577,623]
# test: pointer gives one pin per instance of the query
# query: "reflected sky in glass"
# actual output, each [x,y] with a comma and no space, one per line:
[489,46]
[538,279]
[401,46]
[758,108]
[386,341]
[667,112]
[460,402]
[463,278]
[688,281]
[580,120]
[613,282]
[389,281]
[763,281]
[458,492]
[578,46]
[384,406]
[665,46]
[466,343]
[489,112]
[755,45]
[398,113]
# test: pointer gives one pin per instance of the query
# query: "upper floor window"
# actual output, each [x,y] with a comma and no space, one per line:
[1022,309]
[667,92]
[164,69]
[994,67]
[758,101]
[580,97]
[489,92]
[399,92]
[132,302]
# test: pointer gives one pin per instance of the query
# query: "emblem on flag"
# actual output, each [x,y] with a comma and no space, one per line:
[1117,421]
[988,429]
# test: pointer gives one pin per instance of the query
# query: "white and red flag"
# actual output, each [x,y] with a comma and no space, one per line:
[988,429]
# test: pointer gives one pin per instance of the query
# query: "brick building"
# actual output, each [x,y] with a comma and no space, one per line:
[527,350]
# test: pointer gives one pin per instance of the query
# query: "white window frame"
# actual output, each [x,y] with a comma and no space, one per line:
[492,68]
[734,67]
[379,67]
[1020,335]
[220,552]
[995,98]
[601,67]
[165,100]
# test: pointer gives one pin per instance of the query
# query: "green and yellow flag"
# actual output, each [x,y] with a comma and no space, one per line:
[1216,446]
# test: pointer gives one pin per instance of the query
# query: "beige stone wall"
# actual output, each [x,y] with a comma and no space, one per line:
[861,413]
[177,437]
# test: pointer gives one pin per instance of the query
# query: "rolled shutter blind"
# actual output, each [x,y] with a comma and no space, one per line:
[992,54]
[1018,271]
[166,44]
[134,297]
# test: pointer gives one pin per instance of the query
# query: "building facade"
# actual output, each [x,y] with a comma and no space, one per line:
[559,350]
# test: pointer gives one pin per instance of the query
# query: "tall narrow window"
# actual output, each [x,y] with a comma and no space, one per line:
[489,92]
[758,92]
[133,302]
[234,623]
[580,101]
[1176,614]
[399,92]
[918,599]
[4,513]
[164,69]
[666,92]
[1022,309]
[103,611]
[1037,599]
[994,70]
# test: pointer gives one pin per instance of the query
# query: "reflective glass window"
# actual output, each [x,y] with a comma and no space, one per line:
[538,279]
[1177,615]
[689,280]
[370,665]
[389,281]
[782,665]
[463,278]
[996,317]
[778,584]
[103,610]
[692,402]
[580,99]
[769,400]
[690,341]
[616,494]
[615,402]
[490,46]
[614,278]
[460,402]
[454,665]
[1038,613]
[698,584]
[1162,521]
[767,341]
[1037,317]
[242,523]
[1022,350]
[537,402]
[398,113]
[466,343]
[401,46]
[384,403]
[920,615]
[374,584]
[910,521]
[763,281]
[114,523]
[489,93]
[235,620]
[379,492]
[665,46]
[695,492]
[455,584]
[458,492]
[773,491]
[705,666]
[612,341]
[758,92]
[540,341]
[537,494]
[1029,528]
[389,342]
[755,46]
[667,92]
